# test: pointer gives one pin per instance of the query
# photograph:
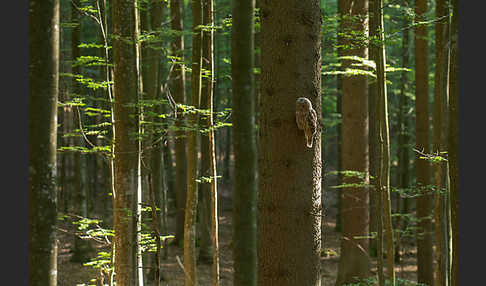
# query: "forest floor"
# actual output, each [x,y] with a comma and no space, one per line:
[72,274]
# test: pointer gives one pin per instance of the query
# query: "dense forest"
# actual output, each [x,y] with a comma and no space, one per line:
[233,142]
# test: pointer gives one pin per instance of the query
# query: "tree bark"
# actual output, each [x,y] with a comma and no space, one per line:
[43,95]
[424,202]
[178,81]
[192,150]
[453,138]
[440,140]
[289,173]
[126,145]
[382,143]
[354,262]
[244,144]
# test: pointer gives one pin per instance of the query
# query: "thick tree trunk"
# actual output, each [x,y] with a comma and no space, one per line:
[425,271]
[179,92]
[354,261]
[244,144]
[126,144]
[289,196]
[43,83]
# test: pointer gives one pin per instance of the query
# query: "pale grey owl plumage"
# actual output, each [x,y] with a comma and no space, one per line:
[306,118]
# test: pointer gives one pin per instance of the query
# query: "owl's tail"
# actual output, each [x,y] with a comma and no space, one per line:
[309,140]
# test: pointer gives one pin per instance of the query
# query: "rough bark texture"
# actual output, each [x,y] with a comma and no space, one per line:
[289,196]
[126,145]
[354,261]
[43,93]
[178,86]
[244,144]
[453,138]
[424,202]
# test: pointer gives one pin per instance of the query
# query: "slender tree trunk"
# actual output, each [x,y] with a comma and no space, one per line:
[208,42]
[206,246]
[244,144]
[178,78]
[354,263]
[425,269]
[289,195]
[382,144]
[440,139]
[192,143]
[453,138]
[43,96]
[403,135]
[372,94]
[126,145]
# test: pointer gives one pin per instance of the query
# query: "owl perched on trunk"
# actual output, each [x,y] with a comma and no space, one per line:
[306,118]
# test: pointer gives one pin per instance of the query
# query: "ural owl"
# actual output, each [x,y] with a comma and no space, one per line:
[306,118]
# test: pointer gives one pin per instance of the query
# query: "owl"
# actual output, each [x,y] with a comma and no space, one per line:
[306,118]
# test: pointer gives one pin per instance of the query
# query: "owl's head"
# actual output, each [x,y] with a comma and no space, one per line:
[303,102]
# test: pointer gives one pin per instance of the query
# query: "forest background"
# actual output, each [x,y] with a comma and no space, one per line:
[329,116]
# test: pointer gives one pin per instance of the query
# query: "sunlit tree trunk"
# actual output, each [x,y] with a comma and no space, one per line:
[43,94]
[126,144]
[382,143]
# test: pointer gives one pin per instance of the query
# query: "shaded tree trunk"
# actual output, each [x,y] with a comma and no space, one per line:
[126,145]
[440,140]
[244,144]
[43,94]
[289,173]
[425,269]
[453,138]
[354,262]
[192,150]
[403,135]
[178,81]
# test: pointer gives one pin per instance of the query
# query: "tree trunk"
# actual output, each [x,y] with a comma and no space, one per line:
[206,246]
[425,269]
[178,79]
[44,88]
[289,195]
[192,152]
[208,41]
[382,143]
[354,262]
[440,139]
[126,144]
[403,135]
[244,144]
[453,138]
